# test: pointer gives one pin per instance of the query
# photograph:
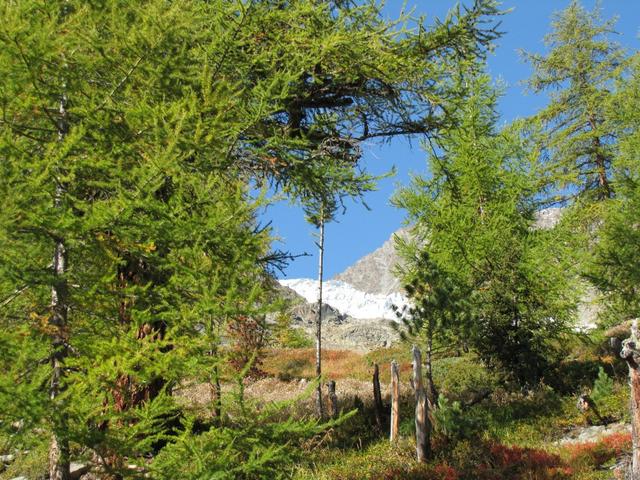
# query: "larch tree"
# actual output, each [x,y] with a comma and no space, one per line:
[130,135]
[578,73]
[614,267]
[434,318]
[473,218]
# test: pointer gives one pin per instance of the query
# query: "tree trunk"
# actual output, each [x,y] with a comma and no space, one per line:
[377,396]
[432,393]
[631,353]
[319,408]
[59,447]
[604,187]
[333,399]
[214,382]
[423,427]
[395,399]
[217,394]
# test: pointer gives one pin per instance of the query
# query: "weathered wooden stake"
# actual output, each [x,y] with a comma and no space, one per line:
[395,399]
[333,399]
[423,427]
[377,396]
[631,353]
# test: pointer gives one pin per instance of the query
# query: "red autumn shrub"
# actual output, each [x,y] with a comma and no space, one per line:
[248,338]
[618,442]
[445,472]
[506,456]
[512,462]
[595,454]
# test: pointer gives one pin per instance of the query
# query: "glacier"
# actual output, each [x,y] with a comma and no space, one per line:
[347,299]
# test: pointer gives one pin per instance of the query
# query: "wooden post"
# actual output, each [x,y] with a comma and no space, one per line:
[333,399]
[395,399]
[377,396]
[423,430]
[631,353]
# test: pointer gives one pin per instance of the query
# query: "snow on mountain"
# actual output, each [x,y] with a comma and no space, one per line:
[346,299]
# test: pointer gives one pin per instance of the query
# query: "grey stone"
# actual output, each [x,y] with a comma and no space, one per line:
[374,273]
[77,470]
[593,433]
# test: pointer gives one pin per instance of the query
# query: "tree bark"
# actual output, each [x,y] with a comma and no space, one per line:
[631,353]
[319,407]
[432,393]
[423,427]
[604,187]
[395,394]
[217,394]
[333,399]
[377,396]
[59,447]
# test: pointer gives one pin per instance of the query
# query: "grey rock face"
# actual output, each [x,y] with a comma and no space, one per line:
[77,470]
[373,273]
[593,433]
[548,218]
[339,331]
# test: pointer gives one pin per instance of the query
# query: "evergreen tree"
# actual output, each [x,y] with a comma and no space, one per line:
[105,169]
[578,74]
[129,135]
[615,268]
[474,218]
[435,316]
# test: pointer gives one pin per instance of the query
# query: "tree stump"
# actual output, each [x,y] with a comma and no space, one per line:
[395,400]
[631,353]
[377,396]
[423,426]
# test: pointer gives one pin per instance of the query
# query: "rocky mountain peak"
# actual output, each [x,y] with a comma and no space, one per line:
[373,273]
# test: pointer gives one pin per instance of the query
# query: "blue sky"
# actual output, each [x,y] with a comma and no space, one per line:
[360,231]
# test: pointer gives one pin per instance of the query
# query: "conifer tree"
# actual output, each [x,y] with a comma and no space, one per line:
[129,134]
[104,163]
[614,268]
[578,74]
[435,317]
[474,219]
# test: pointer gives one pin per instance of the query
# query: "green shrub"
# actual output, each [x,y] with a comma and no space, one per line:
[287,336]
[453,423]
[252,447]
[611,398]
[463,378]
[30,463]
[603,387]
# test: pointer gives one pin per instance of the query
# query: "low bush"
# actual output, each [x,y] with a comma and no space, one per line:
[593,455]
[285,335]
[380,461]
[453,423]
[611,398]
[253,445]
[463,378]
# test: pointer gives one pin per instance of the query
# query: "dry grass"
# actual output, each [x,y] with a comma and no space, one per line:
[291,364]
[290,373]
